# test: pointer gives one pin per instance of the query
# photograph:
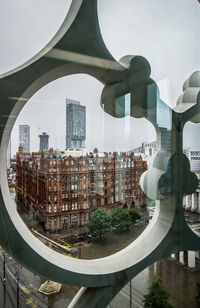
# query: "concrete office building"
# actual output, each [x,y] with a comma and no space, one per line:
[75,124]
[192,202]
[194,158]
[44,142]
[147,148]
[195,161]
[24,137]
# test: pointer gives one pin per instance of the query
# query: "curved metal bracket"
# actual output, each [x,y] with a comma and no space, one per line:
[78,47]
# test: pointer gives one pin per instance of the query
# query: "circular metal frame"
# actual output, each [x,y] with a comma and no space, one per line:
[78,48]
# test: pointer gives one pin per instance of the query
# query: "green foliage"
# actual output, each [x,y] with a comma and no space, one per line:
[197,298]
[100,224]
[153,203]
[121,220]
[158,296]
[134,215]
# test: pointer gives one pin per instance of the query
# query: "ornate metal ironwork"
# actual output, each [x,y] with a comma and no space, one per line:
[78,47]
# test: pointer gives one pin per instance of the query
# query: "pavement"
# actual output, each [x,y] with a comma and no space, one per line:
[29,284]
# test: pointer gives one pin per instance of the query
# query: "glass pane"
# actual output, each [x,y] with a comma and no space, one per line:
[69,159]
[29,27]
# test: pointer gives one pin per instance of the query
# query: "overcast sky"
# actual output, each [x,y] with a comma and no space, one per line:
[165,32]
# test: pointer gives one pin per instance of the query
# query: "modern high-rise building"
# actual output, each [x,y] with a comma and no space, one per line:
[9,154]
[75,124]
[44,142]
[24,137]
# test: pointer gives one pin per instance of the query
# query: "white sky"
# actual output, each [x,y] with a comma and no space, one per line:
[165,32]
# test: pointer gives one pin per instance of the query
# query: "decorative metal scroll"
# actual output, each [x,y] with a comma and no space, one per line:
[78,47]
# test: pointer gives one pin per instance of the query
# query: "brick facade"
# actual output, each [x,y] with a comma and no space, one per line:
[62,191]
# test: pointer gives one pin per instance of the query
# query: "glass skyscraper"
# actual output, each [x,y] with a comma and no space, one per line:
[24,137]
[44,142]
[75,124]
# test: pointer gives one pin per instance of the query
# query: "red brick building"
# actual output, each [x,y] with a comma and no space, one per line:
[62,191]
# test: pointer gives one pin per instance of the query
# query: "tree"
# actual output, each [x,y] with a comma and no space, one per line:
[100,224]
[121,220]
[153,203]
[197,298]
[158,296]
[134,215]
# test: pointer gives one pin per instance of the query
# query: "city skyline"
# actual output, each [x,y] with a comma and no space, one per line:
[162,42]
[131,135]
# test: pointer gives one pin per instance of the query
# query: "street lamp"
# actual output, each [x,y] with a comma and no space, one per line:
[17,282]
[4,277]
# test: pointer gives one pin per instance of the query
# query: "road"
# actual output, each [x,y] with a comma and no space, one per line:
[29,284]
[19,291]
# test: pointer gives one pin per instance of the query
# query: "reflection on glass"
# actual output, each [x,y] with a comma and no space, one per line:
[57,190]
[191,203]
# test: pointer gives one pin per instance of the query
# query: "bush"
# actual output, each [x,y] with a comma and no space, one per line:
[153,203]
[158,296]
[121,220]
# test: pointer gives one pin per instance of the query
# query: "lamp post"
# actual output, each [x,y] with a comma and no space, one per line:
[17,283]
[4,277]
[130,293]
[79,245]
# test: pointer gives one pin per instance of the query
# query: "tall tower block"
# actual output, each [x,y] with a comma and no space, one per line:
[24,137]
[44,142]
[75,124]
